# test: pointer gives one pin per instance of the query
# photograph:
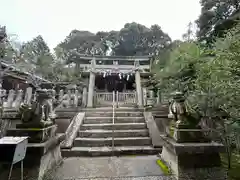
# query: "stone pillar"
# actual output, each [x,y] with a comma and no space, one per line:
[84,96]
[144,96]
[125,87]
[91,84]
[138,88]
[28,96]
[105,86]
[158,96]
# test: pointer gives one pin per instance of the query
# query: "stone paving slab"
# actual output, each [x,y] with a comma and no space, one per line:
[130,178]
[127,167]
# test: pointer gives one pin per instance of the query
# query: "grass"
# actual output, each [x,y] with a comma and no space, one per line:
[163,167]
[234,172]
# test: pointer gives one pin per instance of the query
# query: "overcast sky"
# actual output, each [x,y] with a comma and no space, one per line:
[54,19]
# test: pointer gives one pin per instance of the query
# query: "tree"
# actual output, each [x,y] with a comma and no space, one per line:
[133,39]
[9,45]
[37,54]
[136,39]
[179,70]
[190,34]
[216,17]
[3,37]
[210,79]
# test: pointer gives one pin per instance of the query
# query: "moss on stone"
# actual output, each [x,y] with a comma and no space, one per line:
[34,129]
[163,167]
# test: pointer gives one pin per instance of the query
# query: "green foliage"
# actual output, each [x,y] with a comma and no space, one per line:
[209,77]
[234,171]
[206,74]
[179,70]
[37,53]
[216,17]
[132,39]
[34,56]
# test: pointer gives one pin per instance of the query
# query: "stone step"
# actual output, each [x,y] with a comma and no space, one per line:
[95,120]
[61,115]
[117,126]
[96,142]
[117,133]
[109,109]
[161,116]
[160,110]
[117,114]
[68,109]
[108,151]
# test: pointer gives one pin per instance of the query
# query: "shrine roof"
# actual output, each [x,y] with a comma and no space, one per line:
[17,73]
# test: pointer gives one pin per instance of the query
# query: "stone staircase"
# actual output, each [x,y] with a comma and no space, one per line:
[95,138]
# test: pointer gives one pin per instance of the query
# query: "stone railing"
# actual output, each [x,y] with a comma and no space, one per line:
[126,98]
[149,99]
[104,96]
[72,130]
[121,98]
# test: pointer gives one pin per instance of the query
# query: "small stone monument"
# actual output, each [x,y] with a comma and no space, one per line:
[61,94]
[150,98]
[65,101]
[28,96]
[186,151]
[72,91]
[19,97]
[10,98]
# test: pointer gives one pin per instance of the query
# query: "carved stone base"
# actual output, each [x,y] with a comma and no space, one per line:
[189,135]
[36,135]
[191,160]
[41,124]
